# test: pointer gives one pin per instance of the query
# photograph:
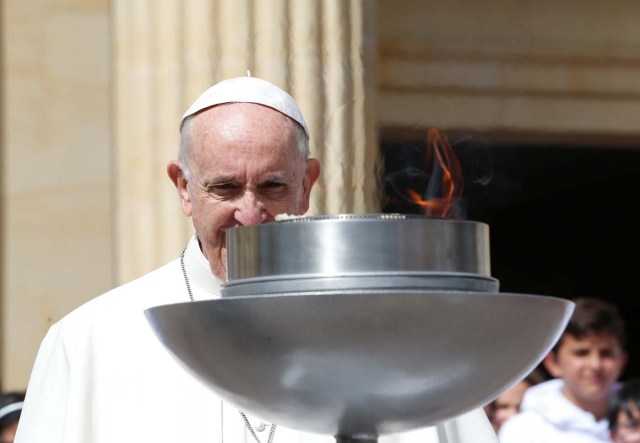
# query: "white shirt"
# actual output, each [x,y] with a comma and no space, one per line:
[548,416]
[102,376]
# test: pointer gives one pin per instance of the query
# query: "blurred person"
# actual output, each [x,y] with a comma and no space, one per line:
[101,374]
[624,413]
[507,404]
[586,362]
[10,409]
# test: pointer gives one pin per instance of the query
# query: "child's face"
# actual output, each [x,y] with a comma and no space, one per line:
[506,405]
[589,366]
[627,428]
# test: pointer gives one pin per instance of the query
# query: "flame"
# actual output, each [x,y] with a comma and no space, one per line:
[445,185]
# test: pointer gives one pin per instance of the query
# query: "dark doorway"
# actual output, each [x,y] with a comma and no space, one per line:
[563,217]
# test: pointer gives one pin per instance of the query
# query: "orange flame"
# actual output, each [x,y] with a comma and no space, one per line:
[446,169]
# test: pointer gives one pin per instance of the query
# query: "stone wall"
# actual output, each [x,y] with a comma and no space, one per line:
[569,67]
[57,248]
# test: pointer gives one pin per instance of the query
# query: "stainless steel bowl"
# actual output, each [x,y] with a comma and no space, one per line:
[358,326]
[358,251]
[361,363]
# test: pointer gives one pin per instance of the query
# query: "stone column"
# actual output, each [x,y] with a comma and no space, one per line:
[166,53]
[332,65]
[163,58]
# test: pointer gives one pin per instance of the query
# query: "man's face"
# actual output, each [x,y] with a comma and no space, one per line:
[245,168]
[589,365]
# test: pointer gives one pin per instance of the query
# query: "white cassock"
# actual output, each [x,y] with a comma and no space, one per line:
[102,376]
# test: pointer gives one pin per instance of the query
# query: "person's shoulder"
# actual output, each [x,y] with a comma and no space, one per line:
[152,289]
[113,319]
[520,428]
[524,419]
[542,393]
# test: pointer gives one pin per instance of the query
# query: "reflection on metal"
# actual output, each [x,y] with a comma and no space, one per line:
[360,362]
[359,251]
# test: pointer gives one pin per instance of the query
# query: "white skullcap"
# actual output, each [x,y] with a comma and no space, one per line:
[248,90]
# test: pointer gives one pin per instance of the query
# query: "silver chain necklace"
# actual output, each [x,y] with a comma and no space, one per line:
[272,431]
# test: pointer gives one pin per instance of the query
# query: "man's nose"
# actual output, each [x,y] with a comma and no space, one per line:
[250,210]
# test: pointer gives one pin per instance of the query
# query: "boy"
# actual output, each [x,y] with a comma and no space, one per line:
[624,413]
[586,362]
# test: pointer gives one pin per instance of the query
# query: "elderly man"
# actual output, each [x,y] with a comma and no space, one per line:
[101,375]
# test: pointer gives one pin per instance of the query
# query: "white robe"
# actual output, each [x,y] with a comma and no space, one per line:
[102,376]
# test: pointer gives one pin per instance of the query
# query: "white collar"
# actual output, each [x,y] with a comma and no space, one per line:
[200,276]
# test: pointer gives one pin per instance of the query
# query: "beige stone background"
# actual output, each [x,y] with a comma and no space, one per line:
[93,90]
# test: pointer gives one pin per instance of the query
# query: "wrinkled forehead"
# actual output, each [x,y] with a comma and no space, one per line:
[246,124]
[246,118]
[244,132]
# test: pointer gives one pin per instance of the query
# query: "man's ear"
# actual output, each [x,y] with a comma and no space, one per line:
[174,170]
[311,175]
[550,363]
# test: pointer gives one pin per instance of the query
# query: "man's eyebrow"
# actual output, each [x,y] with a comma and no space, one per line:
[220,179]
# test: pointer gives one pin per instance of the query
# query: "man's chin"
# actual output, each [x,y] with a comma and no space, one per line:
[219,270]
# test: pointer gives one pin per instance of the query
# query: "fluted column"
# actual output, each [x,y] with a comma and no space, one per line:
[306,70]
[166,53]
[163,57]
[332,67]
[367,160]
[339,146]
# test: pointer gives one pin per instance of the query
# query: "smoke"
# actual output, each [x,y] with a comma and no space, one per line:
[492,176]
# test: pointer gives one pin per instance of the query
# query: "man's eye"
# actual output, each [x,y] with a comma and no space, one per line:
[223,188]
[273,185]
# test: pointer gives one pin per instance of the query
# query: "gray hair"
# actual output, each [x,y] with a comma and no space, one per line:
[186,142]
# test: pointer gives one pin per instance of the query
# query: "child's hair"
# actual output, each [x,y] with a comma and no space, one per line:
[537,375]
[624,399]
[594,315]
